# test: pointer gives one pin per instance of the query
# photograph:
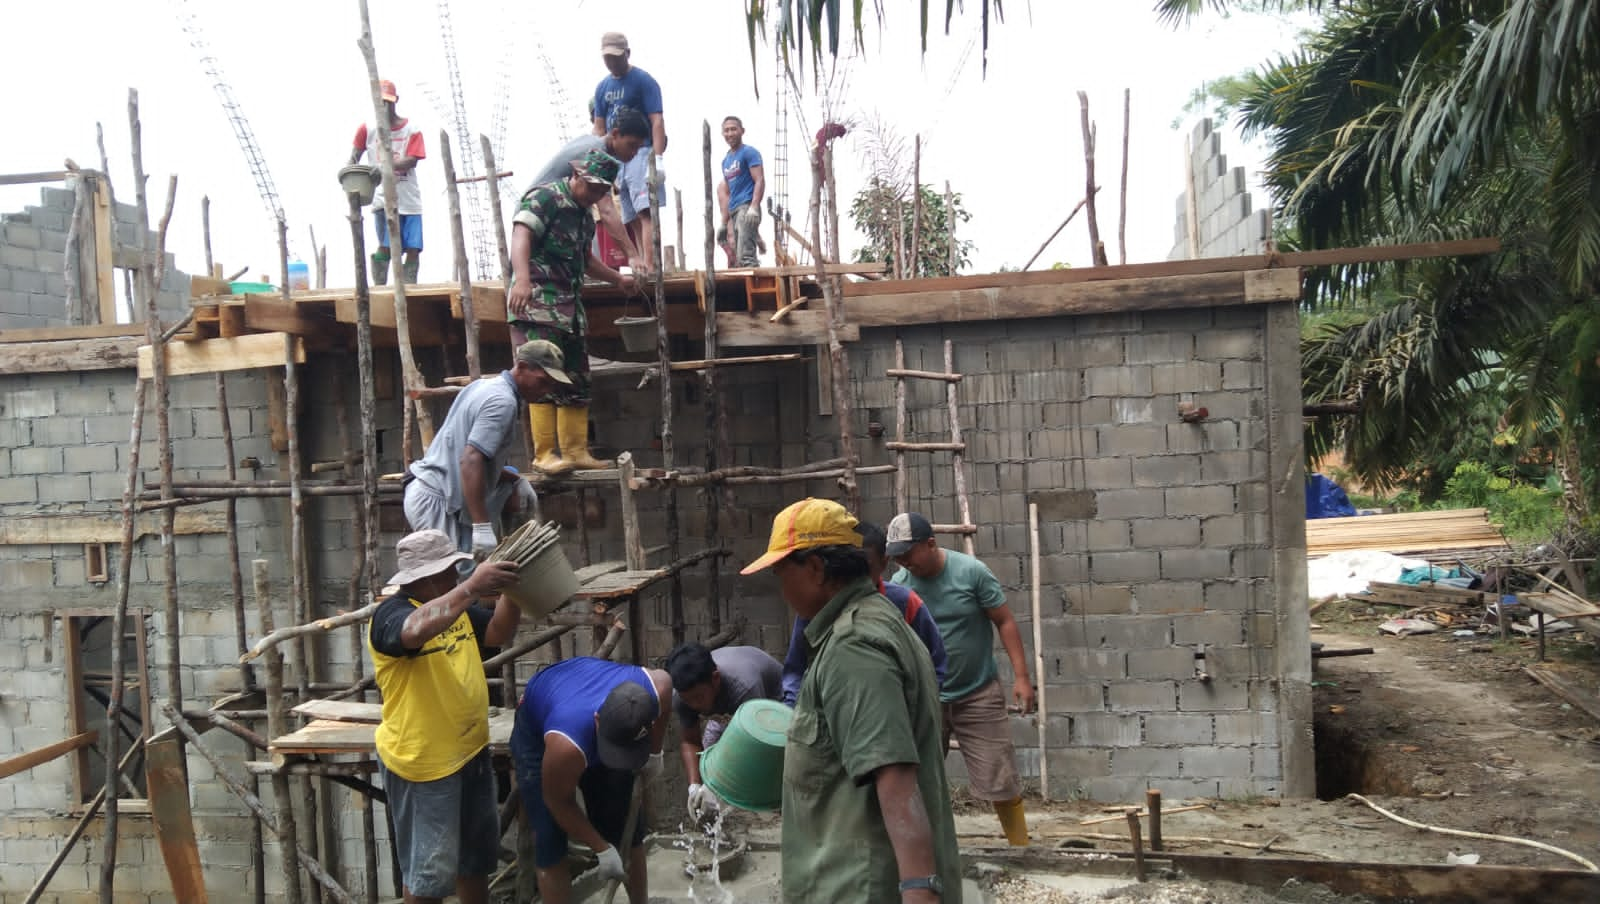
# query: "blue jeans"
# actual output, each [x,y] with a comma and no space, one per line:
[632,182]
[445,828]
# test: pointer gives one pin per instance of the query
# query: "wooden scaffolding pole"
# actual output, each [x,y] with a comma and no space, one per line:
[411,376]
[277,726]
[1097,250]
[958,447]
[913,271]
[495,209]
[664,354]
[822,172]
[710,397]
[1122,206]
[458,239]
[902,493]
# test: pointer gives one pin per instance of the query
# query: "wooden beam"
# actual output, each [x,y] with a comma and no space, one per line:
[26,761]
[209,356]
[270,313]
[868,269]
[63,333]
[104,252]
[1196,267]
[167,784]
[70,355]
[103,527]
[1153,294]
[736,328]
[30,178]
[204,286]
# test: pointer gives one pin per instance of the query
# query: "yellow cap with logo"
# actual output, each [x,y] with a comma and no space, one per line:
[807,524]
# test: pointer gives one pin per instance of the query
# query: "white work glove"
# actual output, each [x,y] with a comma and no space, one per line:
[703,802]
[751,215]
[652,767]
[483,541]
[611,868]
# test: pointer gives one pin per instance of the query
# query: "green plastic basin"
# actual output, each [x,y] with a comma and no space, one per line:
[252,288]
[745,766]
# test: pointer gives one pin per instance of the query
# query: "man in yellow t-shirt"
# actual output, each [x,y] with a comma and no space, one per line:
[428,645]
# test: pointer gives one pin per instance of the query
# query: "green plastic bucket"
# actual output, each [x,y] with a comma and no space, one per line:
[544,584]
[252,288]
[745,767]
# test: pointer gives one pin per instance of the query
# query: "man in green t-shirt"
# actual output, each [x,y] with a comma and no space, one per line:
[866,814]
[966,600]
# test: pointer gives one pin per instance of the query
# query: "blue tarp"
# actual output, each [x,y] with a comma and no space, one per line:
[1325,499]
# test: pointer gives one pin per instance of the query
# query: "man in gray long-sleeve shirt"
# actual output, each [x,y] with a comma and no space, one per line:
[456,487]
[709,686]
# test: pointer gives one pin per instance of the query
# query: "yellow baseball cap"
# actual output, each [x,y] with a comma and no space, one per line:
[807,524]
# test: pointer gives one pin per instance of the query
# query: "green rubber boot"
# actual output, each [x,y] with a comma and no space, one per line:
[380,269]
[409,270]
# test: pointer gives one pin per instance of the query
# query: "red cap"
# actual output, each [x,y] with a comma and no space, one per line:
[389,94]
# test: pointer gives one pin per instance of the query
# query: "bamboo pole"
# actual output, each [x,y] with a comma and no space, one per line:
[247,673]
[277,726]
[285,832]
[1122,208]
[957,456]
[715,428]
[411,376]
[899,371]
[312,628]
[497,210]
[949,230]
[916,209]
[1097,251]
[1073,213]
[836,352]
[458,240]
[1042,719]
[668,452]
[119,621]
[902,494]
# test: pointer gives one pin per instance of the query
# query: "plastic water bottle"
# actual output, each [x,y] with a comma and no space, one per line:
[299,275]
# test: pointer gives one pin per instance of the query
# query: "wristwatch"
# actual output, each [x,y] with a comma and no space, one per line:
[931,883]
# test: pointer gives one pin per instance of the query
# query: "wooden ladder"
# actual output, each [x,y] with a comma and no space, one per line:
[955,446]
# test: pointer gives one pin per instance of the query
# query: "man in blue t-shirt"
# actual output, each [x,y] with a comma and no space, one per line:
[594,726]
[630,86]
[744,182]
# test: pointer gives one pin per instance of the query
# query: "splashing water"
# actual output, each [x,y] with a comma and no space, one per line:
[708,892]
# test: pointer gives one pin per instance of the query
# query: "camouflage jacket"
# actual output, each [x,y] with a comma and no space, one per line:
[562,232]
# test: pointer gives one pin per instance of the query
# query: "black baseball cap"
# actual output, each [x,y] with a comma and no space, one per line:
[623,737]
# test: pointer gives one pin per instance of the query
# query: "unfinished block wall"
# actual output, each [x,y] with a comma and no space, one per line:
[33,244]
[1226,223]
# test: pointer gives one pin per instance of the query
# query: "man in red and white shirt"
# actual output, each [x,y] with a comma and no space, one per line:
[405,140]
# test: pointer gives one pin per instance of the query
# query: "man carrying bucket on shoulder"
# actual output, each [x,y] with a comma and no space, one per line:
[596,726]
[866,814]
[428,643]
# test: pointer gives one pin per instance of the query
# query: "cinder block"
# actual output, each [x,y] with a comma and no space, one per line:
[1115,789]
[1143,696]
[1158,347]
[1231,405]
[18,258]
[1243,375]
[1170,663]
[1071,767]
[1216,762]
[1108,535]
[1149,762]
[1133,411]
[1132,565]
[1105,730]
[1198,564]
[1135,503]
[1211,629]
[1246,729]
[1251,562]
[1166,533]
[1131,440]
[1167,596]
[1177,729]
[1060,634]
[1202,501]
[1217,695]
[1186,377]
[1120,381]
[1099,599]
[1166,470]
[15,490]
[1085,664]
[28,403]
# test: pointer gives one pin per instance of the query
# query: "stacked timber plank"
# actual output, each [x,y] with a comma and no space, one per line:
[1567,607]
[1425,595]
[1408,532]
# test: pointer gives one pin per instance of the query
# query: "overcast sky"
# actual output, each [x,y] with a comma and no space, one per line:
[1009,142]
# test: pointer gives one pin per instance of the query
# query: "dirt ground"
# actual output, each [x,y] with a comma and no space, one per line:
[1441,730]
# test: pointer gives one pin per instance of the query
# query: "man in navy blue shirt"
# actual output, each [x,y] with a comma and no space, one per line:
[744,182]
[917,615]
[629,86]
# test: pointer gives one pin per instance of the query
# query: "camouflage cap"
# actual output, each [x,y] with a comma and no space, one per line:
[597,167]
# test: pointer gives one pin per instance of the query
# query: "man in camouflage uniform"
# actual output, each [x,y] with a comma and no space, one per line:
[550,254]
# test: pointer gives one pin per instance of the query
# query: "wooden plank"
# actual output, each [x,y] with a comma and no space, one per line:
[30,178]
[1008,303]
[1193,267]
[209,356]
[1565,689]
[1271,285]
[62,333]
[867,269]
[326,736]
[206,286]
[1403,532]
[426,318]
[230,321]
[104,527]
[1554,606]
[739,329]
[271,313]
[168,790]
[341,711]
[26,761]
[70,355]
[681,319]
[277,411]
[104,252]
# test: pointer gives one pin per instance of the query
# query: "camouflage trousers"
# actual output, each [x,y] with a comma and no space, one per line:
[574,351]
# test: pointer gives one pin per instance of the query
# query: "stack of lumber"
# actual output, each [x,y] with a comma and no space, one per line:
[1566,606]
[1408,532]
[1426,595]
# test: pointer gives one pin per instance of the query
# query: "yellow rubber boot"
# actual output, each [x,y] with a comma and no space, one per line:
[1013,821]
[573,424]
[545,458]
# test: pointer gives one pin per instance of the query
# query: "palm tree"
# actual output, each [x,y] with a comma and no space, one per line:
[799,25]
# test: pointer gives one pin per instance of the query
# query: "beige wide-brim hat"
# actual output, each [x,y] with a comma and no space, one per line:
[424,554]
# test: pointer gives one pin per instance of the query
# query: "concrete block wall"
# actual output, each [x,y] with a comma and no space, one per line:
[1228,224]
[33,242]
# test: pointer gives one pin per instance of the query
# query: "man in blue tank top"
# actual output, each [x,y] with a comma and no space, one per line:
[591,725]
